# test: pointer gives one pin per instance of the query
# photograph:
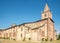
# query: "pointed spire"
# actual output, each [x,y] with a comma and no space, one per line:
[46,7]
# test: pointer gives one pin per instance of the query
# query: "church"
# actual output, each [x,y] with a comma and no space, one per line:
[39,30]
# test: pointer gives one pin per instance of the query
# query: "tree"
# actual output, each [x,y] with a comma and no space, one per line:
[59,36]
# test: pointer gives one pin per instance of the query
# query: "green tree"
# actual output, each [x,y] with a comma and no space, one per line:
[59,36]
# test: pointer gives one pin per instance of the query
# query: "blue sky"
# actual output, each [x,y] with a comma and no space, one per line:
[21,11]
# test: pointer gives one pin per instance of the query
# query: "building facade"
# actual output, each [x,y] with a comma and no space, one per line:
[39,30]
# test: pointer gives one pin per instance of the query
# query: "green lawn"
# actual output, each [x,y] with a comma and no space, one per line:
[13,41]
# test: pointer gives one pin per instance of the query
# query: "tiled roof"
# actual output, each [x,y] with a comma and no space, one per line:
[26,23]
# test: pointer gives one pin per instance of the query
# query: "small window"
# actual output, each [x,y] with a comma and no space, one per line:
[45,15]
[21,29]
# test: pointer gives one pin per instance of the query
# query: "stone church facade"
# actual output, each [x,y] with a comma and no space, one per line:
[38,30]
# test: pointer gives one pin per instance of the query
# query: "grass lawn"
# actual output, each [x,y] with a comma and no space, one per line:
[13,41]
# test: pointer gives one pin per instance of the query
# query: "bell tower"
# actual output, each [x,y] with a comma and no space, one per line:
[46,13]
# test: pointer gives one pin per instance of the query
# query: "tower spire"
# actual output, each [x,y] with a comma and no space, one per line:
[46,7]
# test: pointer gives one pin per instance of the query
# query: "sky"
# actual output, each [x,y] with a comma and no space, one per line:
[23,11]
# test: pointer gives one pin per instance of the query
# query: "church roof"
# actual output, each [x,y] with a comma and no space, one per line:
[39,21]
[26,23]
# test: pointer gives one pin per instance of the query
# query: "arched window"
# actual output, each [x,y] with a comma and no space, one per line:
[21,35]
[10,34]
[14,33]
